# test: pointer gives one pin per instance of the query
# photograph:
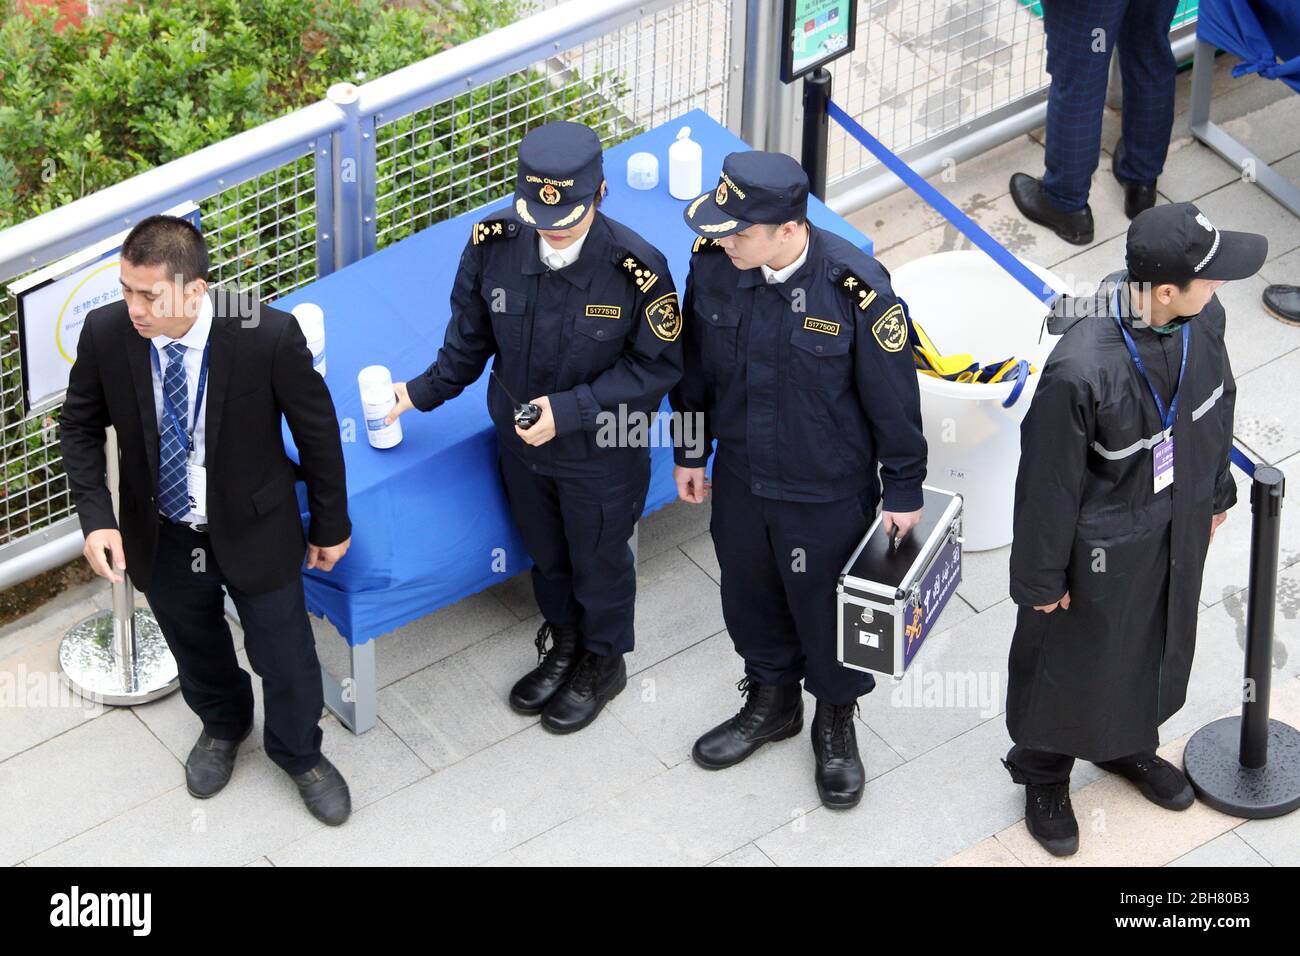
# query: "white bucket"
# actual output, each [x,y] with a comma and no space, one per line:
[967,303]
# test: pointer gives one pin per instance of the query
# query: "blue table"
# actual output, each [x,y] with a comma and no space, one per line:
[430,520]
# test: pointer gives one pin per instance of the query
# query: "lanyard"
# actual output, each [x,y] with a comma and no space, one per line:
[1166,417]
[169,410]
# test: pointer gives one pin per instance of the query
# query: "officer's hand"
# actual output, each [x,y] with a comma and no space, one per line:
[1217,520]
[542,430]
[326,558]
[1063,604]
[110,540]
[403,405]
[692,486]
[904,521]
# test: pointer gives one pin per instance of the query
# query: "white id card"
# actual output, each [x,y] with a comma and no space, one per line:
[1162,459]
[197,476]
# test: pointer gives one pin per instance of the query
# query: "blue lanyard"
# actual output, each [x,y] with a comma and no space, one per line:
[1166,417]
[169,410]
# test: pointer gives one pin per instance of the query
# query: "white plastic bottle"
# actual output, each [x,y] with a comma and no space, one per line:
[311,319]
[685,159]
[377,400]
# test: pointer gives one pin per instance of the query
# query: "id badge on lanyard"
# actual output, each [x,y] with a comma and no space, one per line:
[1162,455]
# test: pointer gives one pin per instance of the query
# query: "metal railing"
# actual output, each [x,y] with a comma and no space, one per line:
[317,189]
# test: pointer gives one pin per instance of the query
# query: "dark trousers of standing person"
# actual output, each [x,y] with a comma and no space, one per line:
[186,596]
[1080,37]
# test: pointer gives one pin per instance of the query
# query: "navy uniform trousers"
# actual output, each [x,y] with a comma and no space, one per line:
[780,563]
[577,532]
[1078,59]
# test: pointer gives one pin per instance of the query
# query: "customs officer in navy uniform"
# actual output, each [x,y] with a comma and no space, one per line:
[797,360]
[583,320]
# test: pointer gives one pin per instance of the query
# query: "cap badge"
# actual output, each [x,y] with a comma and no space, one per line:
[549,194]
[720,196]
[1205,223]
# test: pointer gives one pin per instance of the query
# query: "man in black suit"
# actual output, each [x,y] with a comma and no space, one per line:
[195,380]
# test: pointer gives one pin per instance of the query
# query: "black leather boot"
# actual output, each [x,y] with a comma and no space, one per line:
[770,712]
[1158,780]
[1137,196]
[1283,303]
[1027,193]
[326,793]
[534,689]
[839,771]
[210,764]
[595,681]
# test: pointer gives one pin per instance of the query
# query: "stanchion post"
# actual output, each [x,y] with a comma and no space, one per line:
[1249,766]
[816,125]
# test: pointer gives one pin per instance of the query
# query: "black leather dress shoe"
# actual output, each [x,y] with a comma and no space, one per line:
[210,764]
[1049,817]
[1137,196]
[839,771]
[1156,778]
[596,681]
[1283,303]
[1027,193]
[554,665]
[326,793]
[770,712]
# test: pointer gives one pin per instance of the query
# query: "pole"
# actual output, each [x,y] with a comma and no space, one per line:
[816,125]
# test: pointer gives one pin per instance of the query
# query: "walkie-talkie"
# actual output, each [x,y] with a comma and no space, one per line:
[526,413]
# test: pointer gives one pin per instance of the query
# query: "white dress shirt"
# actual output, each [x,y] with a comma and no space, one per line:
[559,258]
[194,341]
[780,275]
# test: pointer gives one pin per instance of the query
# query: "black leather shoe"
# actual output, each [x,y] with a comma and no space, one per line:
[210,764]
[554,665]
[595,681]
[1283,303]
[1049,816]
[838,771]
[1137,196]
[1159,781]
[326,793]
[770,712]
[1027,193]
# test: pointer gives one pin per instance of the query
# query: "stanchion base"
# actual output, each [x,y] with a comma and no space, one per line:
[93,672]
[1220,781]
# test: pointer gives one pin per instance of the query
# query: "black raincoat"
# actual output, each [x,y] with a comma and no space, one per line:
[1096,681]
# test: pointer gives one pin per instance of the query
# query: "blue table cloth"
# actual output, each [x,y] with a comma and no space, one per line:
[430,520]
[1264,33]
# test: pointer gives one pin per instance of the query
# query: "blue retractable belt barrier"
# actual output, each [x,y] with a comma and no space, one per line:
[972,231]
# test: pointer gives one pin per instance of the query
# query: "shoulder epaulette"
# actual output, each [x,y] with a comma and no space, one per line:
[489,229]
[854,286]
[704,244]
[640,273]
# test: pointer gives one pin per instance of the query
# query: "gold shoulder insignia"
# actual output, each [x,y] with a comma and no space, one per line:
[859,293]
[490,229]
[703,244]
[641,274]
[665,317]
[890,329]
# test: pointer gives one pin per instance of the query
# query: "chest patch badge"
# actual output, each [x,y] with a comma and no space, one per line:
[665,317]
[890,329]
[604,311]
[821,325]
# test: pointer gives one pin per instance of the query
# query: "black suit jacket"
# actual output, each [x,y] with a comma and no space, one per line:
[259,369]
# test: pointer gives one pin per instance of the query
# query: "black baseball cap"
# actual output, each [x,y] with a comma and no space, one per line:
[755,186]
[1177,242]
[560,171]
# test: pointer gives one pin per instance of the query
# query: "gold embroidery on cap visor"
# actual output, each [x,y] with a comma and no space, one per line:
[719,227]
[571,217]
[521,209]
[665,317]
[890,329]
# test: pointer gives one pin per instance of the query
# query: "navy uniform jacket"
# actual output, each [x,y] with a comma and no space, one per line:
[806,402]
[602,332]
